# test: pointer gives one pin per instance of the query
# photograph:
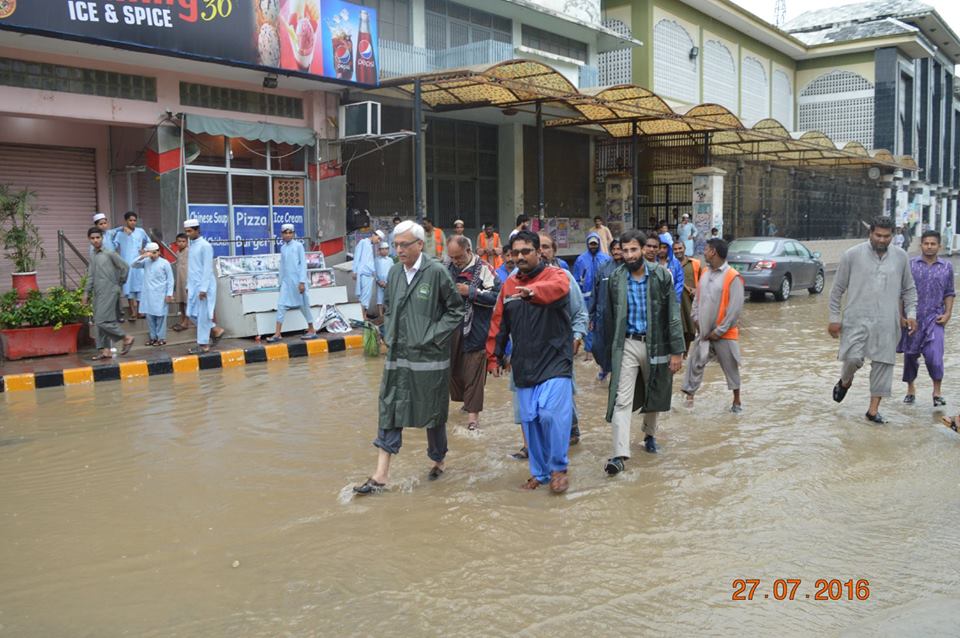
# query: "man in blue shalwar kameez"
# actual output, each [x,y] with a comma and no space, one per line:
[365,271]
[128,242]
[201,288]
[294,284]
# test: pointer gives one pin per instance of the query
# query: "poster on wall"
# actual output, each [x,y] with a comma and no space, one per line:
[310,38]
[288,215]
[214,225]
[251,229]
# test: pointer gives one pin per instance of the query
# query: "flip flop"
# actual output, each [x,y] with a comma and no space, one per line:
[473,426]
[435,473]
[938,401]
[370,487]
[160,342]
[217,337]
[531,484]
[309,337]
[951,423]
[100,357]
[271,339]
[522,455]
[179,328]
[198,350]
[127,346]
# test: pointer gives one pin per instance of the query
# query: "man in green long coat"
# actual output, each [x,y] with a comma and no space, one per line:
[644,339]
[422,308]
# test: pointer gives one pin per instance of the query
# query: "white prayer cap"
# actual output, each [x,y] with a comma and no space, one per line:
[384,244]
[381,234]
[191,223]
[98,216]
[286,227]
[152,246]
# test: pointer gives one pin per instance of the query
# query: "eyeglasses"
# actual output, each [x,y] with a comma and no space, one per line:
[523,251]
[405,244]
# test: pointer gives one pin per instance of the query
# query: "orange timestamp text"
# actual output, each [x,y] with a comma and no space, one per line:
[790,589]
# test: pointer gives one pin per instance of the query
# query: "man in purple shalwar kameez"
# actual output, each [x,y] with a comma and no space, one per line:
[935,295]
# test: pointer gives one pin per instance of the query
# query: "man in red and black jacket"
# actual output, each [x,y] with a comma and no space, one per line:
[533,310]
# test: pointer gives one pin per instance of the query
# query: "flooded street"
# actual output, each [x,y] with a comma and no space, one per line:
[218,504]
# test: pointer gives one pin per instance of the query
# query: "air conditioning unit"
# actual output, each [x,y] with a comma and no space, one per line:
[359,120]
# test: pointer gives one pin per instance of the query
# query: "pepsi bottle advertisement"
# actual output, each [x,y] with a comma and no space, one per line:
[310,38]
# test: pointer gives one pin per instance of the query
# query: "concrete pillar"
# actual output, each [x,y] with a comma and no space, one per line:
[952,228]
[510,177]
[164,159]
[707,202]
[889,199]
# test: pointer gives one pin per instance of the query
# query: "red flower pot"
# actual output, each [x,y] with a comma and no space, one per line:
[20,343]
[24,282]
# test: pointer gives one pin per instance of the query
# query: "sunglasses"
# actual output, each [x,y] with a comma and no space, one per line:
[523,251]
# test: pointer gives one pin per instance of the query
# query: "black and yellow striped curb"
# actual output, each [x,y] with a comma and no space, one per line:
[171,365]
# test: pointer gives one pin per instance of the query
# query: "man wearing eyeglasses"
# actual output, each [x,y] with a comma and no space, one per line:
[533,311]
[422,308]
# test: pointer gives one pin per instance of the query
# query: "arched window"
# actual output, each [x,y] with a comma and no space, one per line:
[754,92]
[782,99]
[840,105]
[719,75]
[616,67]
[674,71]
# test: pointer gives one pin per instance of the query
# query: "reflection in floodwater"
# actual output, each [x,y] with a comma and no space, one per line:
[125,506]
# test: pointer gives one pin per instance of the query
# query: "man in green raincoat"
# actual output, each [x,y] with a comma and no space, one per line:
[644,340]
[422,308]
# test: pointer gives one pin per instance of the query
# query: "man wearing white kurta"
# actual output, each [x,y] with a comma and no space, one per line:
[294,284]
[877,281]
[201,287]
[365,270]
[156,293]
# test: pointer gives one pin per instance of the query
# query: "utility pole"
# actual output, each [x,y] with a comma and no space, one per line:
[780,13]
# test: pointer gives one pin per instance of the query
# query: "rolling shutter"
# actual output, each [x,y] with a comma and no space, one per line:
[65,182]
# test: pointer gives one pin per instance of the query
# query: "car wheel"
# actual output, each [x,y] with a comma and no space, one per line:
[817,286]
[784,292]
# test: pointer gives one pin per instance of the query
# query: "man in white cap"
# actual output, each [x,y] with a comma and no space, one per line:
[687,233]
[384,264]
[157,292]
[201,288]
[100,221]
[365,270]
[294,284]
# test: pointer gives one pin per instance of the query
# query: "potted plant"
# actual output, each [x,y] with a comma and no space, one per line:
[20,237]
[42,324]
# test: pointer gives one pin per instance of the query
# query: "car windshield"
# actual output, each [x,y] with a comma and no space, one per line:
[753,246]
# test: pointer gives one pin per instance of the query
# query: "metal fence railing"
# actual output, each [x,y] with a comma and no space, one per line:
[71,263]
[399,59]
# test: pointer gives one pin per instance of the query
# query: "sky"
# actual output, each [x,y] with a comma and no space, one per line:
[949,10]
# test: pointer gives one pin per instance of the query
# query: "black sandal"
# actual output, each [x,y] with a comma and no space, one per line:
[939,401]
[435,472]
[522,455]
[370,487]
[951,423]
[839,391]
[875,418]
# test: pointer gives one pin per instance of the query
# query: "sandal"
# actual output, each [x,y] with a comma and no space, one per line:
[160,342]
[309,336]
[370,487]
[199,350]
[558,482]
[127,345]
[435,472]
[531,484]
[100,357]
[951,423]
[938,401]
[179,328]
[473,426]
[216,337]
[522,455]
[273,339]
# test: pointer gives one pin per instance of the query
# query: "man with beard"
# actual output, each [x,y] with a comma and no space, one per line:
[644,339]
[478,286]
[691,277]
[877,281]
[935,294]
[533,311]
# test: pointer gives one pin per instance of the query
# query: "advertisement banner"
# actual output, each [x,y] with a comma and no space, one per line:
[214,225]
[288,215]
[252,225]
[296,37]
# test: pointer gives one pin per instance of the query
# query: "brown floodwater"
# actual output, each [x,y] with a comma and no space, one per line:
[219,504]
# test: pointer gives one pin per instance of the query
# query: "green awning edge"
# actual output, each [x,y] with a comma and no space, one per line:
[261,131]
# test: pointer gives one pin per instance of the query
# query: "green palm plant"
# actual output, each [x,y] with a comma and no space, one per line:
[19,236]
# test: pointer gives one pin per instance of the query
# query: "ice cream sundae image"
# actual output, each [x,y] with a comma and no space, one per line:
[268,45]
[302,29]
[269,10]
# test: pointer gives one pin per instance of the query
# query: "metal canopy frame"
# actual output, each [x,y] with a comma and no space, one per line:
[621,111]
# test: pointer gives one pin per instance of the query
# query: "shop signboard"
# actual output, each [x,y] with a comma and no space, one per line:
[251,229]
[214,225]
[332,39]
[288,215]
